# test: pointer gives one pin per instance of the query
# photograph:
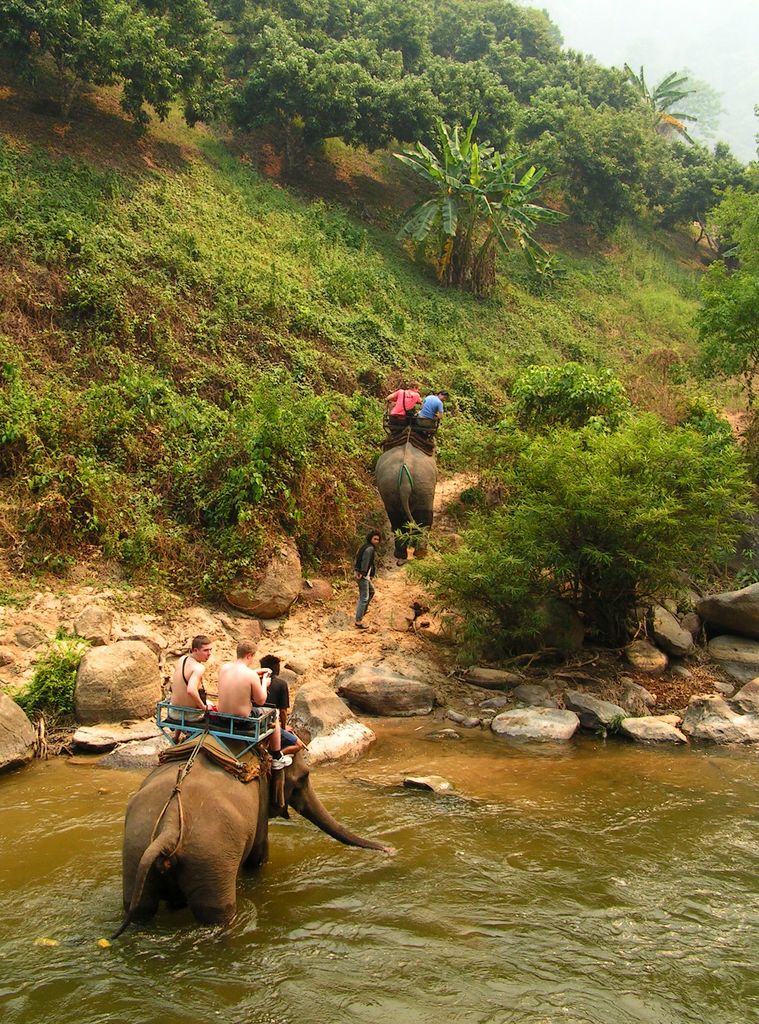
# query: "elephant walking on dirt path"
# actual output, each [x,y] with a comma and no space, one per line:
[406,479]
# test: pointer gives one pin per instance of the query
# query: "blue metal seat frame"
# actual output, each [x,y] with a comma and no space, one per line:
[171,718]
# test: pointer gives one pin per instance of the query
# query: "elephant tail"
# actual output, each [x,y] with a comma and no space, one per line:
[158,854]
[405,490]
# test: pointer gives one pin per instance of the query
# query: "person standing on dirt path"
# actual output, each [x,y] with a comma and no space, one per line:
[365,569]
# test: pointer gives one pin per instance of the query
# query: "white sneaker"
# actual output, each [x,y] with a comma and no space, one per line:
[278,763]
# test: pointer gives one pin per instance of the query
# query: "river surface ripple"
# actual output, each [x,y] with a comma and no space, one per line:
[598,883]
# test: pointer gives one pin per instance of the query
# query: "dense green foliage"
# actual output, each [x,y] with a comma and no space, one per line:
[160,52]
[51,689]
[599,519]
[728,322]
[568,395]
[370,71]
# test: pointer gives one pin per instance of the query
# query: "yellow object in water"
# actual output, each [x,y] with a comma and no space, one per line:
[46,942]
[104,943]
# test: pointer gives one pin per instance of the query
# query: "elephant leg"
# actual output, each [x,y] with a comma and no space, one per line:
[259,851]
[211,894]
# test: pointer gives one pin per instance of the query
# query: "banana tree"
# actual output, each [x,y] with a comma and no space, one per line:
[478,201]
[661,100]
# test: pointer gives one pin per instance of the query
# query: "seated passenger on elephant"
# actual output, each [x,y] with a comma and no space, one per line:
[278,696]
[242,692]
[432,411]
[401,405]
[187,682]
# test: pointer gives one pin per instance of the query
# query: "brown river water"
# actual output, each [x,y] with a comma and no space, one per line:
[595,882]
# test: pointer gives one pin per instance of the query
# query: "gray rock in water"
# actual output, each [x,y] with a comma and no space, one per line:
[644,657]
[736,611]
[534,695]
[719,721]
[536,724]
[329,727]
[592,712]
[432,783]
[135,756]
[377,691]
[443,734]
[16,735]
[652,730]
[98,739]
[736,656]
[466,721]
[669,634]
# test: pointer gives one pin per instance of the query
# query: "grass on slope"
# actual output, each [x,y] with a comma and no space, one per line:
[193,357]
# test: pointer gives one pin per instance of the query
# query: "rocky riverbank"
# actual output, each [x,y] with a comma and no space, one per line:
[403,665]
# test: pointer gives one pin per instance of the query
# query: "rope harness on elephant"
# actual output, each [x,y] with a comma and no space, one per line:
[184,771]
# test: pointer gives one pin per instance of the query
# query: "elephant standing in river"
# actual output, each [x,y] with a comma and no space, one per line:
[406,479]
[192,854]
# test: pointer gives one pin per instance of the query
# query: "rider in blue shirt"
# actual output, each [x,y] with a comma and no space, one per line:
[432,409]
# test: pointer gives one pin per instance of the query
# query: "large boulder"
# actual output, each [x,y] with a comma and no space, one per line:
[327,725]
[115,683]
[377,691]
[16,735]
[652,730]
[720,721]
[536,724]
[669,634]
[593,713]
[646,658]
[734,611]
[273,593]
[736,656]
[95,623]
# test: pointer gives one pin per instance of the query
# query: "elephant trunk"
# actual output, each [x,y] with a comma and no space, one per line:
[307,803]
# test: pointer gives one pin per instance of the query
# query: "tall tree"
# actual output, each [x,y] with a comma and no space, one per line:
[477,200]
[159,51]
[664,96]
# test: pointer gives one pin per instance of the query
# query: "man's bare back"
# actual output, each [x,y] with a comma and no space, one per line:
[240,687]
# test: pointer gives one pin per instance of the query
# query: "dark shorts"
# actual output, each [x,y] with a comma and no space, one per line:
[289,739]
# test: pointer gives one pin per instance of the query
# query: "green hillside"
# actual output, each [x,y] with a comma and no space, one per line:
[193,355]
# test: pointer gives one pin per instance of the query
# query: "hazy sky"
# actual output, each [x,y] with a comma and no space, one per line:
[717,40]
